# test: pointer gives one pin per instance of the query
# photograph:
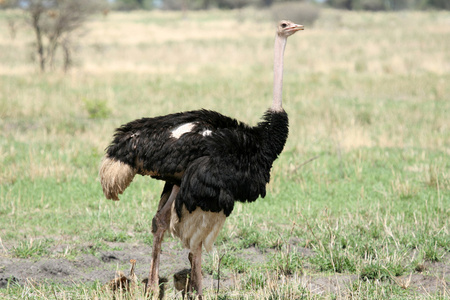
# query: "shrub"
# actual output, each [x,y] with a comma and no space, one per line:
[97,109]
[55,23]
[373,5]
[299,12]
[443,4]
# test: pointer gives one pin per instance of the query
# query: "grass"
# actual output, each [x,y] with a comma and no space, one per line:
[368,101]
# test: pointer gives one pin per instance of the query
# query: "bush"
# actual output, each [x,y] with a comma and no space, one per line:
[443,4]
[55,23]
[129,5]
[342,4]
[373,5]
[376,5]
[299,12]
[97,109]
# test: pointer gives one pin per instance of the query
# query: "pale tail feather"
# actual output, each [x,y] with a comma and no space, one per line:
[115,177]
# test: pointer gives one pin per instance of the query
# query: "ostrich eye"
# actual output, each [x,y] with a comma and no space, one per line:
[283,25]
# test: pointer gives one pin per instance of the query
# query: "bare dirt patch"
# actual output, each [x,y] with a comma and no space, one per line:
[101,268]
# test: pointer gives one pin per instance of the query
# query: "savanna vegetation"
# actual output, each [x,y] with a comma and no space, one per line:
[359,202]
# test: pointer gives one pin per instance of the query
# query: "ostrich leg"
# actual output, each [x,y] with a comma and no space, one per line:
[160,224]
[196,281]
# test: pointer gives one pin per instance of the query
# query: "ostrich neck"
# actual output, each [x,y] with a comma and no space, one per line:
[280,45]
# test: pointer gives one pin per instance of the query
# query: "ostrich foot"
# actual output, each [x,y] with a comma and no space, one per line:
[162,287]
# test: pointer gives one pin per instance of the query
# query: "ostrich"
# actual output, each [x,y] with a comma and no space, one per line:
[207,160]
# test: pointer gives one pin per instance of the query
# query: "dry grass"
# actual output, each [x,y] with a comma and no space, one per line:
[148,42]
[378,59]
[367,95]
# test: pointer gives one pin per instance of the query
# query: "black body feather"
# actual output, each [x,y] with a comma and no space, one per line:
[214,170]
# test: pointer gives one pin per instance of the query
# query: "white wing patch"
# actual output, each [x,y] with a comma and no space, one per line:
[182,129]
[178,131]
[206,132]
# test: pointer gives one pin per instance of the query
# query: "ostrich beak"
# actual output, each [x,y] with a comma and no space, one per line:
[296,27]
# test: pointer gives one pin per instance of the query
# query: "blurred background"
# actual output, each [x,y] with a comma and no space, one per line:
[58,25]
[359,197]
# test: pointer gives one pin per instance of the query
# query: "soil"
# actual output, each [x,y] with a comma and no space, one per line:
[101,268]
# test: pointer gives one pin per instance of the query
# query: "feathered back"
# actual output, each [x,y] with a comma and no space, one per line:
[237,167]
[230,163]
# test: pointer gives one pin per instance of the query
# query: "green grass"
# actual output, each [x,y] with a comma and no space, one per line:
[30,249]
[372,204]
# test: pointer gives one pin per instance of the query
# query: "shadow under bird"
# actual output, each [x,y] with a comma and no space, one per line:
[207,160]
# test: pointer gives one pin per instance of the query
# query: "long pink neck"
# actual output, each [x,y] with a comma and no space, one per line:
[280,45]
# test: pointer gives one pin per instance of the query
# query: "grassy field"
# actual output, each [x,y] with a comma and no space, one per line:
[368,97]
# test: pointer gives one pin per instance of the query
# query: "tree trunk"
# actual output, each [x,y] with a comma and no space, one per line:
[40,47]
[67,55]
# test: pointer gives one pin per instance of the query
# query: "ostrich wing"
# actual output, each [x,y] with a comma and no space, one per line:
[234,169]
[204,186]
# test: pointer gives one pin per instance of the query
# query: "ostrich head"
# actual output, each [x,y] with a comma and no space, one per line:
[287,28]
